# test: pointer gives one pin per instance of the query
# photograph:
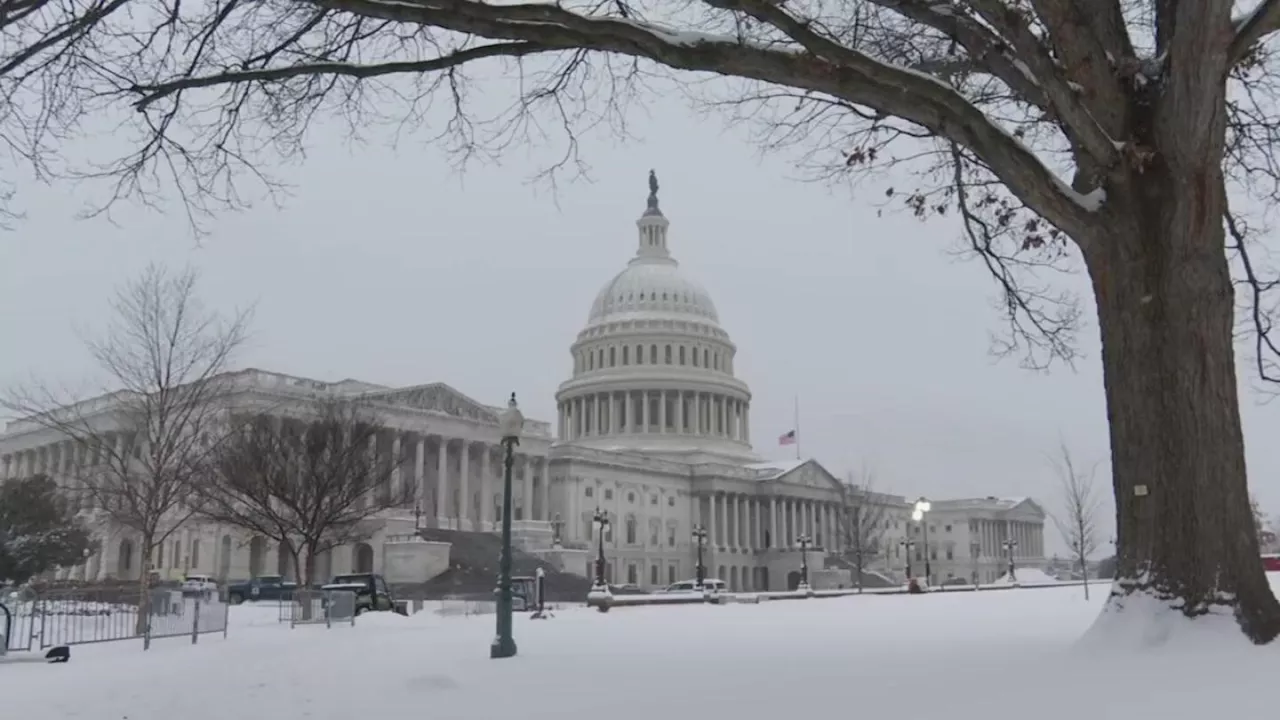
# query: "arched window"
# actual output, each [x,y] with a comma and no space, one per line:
[639,354]
[626,354]
[694,352]
[613,356]
[706,358]
[668,355]
[631,529]
[681,354]
[653,354]
[600,358]
[591,360]
[716,360]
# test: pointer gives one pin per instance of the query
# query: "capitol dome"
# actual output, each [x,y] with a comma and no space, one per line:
[653,369]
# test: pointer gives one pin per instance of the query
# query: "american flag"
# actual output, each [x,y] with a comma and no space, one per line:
[787,438]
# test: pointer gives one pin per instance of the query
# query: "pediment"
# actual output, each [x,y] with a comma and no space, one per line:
[810,474]
[439,397]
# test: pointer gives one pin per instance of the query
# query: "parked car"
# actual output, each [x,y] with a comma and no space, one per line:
[201,585]
[708,585]
[263,587]
[371,592]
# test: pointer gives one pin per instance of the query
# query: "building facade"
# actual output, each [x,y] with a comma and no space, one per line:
[655,432]
[449,445]
[966,538]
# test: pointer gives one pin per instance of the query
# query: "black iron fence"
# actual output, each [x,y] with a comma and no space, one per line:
[41,619]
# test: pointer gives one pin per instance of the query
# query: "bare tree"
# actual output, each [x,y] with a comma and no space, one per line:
[140,449]
[311,482]
[1078,522]
[1109,132]
[862,537]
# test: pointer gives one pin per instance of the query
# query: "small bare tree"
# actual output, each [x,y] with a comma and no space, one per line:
[310,483]
[139,449]
[1078,523]
[864,516]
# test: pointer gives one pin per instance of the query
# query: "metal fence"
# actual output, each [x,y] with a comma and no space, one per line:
[318,607]
[79,616]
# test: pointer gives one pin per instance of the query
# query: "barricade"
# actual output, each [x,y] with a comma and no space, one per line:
[318,607]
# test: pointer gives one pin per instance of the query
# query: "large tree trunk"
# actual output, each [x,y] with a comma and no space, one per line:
[1166,314]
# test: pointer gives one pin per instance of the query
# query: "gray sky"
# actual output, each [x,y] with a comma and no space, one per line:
[388,266]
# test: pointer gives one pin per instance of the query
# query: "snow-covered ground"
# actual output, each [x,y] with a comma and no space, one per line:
[957,655]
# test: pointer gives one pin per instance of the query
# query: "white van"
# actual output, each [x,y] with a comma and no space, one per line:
[709,585]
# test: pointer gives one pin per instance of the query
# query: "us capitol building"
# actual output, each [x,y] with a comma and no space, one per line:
[652,428]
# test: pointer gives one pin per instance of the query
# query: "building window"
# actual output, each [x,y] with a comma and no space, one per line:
[653,574]
[653,499]
[639,354]
[626,354]
[671,501]
[608,494]
[668,355]
[631,530]
[671,574]
[590,491]
[631,497]
[633,576]
[694,352]
[706,358]
[195,553]
[653,354]
[933,553]
[671,536]
[653,532]
[681,354]
[947,528]
[951,553]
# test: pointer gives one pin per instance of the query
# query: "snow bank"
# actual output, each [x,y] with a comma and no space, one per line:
[1026,576]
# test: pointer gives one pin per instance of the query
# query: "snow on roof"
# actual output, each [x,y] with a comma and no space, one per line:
[771,470]
[986,503]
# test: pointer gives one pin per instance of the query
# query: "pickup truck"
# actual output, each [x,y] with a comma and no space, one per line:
[263,587]
[370,590]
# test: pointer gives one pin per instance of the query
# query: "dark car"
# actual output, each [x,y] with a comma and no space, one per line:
[371,592]
[263,587]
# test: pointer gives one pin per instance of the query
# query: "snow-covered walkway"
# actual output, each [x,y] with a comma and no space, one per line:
[953,655]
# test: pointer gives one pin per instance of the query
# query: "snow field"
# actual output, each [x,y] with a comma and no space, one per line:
[962,655]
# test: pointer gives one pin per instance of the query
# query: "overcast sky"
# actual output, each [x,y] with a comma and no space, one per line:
[389,266]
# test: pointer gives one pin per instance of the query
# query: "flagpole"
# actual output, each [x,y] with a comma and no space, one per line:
[797,425]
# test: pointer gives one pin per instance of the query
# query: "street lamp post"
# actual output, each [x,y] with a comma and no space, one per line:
[919,513]
[804,541]
[601,521]
[700,540]
[1009,546]
[907,546]
[510,423]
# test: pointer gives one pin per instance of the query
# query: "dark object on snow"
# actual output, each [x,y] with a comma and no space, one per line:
[59,654]
[913,587]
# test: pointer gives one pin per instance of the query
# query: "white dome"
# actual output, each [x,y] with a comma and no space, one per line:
[652,286]
[653,369]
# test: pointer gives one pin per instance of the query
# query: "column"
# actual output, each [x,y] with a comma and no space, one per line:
[464,485]
[486,488]
[730,524]
[419,473]
[757,540]
[745,512]
[397,475]
[442,482]
[544,488]
[597,423]
[712,538]
[662,411]
[528,488]
[644,411]
[773,521]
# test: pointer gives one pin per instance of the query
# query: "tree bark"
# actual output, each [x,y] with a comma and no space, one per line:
[1166,315]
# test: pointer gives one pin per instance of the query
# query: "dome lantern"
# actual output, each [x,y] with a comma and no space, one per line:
[652,227]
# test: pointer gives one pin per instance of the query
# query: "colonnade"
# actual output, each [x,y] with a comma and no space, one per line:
[993,533]
[677,412]
[749,522]
[432,472]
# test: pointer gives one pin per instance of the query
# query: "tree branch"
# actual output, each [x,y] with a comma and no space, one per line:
[151,93]
[1252,28]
